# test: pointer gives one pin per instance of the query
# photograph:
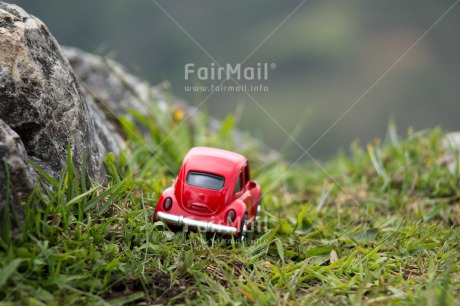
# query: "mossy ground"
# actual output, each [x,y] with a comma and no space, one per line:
[377,226]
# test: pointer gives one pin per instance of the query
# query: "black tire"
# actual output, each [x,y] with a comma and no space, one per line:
[243,228]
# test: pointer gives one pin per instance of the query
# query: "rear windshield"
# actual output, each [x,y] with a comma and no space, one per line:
[205,180]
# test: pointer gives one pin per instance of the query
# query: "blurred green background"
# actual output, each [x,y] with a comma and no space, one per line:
[327,55]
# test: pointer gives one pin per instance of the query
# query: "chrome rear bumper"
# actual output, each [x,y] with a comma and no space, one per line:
[200,225]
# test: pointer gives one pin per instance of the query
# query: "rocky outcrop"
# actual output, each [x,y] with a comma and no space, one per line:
[113,89]
[17,179]
[40,98]
[42,109]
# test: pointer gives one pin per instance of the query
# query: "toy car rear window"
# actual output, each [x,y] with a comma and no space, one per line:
[205,180]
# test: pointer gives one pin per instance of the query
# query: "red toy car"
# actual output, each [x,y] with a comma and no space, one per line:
[213,192]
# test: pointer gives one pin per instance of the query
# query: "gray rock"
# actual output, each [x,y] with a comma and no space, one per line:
[13,157]
[452,143]
[40,98]
[105,131]
[110,85]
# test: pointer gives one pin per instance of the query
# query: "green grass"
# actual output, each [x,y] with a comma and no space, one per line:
[377,227]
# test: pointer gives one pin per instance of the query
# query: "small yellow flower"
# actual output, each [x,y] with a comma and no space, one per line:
[163,181]
[178,113]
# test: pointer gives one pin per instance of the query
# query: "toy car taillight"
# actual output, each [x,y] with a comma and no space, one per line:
[167,204]
[231,215]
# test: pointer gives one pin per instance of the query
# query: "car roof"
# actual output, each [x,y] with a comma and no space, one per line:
[213,160]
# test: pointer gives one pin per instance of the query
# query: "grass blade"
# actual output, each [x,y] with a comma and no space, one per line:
[8,270]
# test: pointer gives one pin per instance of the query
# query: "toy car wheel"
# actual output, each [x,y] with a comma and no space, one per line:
[243,228]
